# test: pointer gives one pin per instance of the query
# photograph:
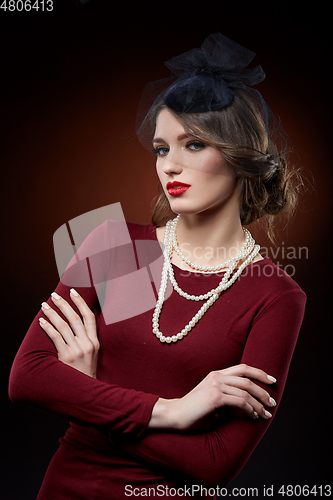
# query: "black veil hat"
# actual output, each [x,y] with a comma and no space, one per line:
[205,79]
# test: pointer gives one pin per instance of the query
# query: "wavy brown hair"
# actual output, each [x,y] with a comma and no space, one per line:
[269,186]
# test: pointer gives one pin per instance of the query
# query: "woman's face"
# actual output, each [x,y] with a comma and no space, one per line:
[193,174]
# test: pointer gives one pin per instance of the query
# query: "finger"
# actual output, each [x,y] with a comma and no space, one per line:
[244,401]
[255,390]
[86,313]
[59,324]
[73,318]
[233,401]
[54,335]
[85,331]
[244,370]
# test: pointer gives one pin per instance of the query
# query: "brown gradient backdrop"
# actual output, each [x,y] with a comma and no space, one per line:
[70,84]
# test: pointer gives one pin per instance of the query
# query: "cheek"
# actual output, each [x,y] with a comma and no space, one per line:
[221,185]
[211,162]
[159,171]
[218,184]
[214,171]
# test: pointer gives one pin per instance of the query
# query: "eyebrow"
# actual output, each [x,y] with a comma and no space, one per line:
[179,138]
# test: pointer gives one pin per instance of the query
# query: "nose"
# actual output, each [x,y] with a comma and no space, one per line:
[171,164]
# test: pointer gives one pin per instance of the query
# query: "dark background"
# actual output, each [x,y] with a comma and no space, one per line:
[70,81]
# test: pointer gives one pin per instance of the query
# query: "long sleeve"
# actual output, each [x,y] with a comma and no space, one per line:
[39,379]
[256,321]
[216,457]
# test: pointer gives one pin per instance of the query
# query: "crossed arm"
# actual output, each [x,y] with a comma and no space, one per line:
[77,345]
[248,391]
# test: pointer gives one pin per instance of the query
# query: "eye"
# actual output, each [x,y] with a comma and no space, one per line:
[195,145]
[160,151]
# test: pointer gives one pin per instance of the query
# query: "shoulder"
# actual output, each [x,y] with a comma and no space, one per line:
[269,293]
[100,243]
[115,233]
[271,282]
[141,231]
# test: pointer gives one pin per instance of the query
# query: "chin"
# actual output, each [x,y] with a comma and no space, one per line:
[181,207]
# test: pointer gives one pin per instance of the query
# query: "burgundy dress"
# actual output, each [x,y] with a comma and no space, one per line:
[108,450]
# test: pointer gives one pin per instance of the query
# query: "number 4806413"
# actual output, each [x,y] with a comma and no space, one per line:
[27,5]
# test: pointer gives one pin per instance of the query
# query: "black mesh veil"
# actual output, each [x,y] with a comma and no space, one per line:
[207,79]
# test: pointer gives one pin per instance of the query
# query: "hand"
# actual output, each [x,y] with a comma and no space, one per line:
[77,342]
[230,387]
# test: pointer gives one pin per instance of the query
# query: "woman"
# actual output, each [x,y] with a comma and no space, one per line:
[175,398]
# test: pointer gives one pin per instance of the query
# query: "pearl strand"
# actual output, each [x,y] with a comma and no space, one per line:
[170,238]
[248,245]
[213,294]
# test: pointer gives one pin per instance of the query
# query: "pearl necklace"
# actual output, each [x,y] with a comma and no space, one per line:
[248,245]
[228,279]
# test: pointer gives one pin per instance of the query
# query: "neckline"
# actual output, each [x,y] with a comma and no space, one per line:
[203,276]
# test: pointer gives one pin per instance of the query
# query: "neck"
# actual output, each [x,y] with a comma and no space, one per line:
[210,240]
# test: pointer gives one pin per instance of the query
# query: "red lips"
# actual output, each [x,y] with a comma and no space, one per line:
[176,188]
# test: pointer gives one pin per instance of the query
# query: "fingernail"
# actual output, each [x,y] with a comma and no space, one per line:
[74,292]
[55,295]
[42,320]
[267,414]
[271,379]
[45,305]
[255,414]
[272,401]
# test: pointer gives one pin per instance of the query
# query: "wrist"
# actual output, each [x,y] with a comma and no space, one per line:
[163,415]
